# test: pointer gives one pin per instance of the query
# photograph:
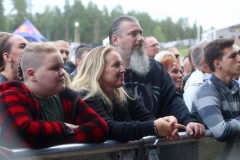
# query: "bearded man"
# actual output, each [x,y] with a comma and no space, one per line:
[147,78]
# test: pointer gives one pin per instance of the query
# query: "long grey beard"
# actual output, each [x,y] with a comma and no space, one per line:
[139,61]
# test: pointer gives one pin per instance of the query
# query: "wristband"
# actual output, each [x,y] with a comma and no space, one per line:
[69,130]
[155,129]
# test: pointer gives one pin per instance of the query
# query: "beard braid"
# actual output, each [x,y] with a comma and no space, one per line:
[139,61]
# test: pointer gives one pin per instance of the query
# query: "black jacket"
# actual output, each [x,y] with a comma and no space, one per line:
[157,93]
[129,122]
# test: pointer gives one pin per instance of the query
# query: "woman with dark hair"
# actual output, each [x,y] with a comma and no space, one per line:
[11,49]
[100,83]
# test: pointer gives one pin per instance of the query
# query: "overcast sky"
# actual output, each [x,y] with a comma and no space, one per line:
[208,13]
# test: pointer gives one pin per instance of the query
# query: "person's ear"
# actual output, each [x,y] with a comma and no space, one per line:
[115,40]
[204,63]
[6,57]
[77,60]
[217,64]
[31,75]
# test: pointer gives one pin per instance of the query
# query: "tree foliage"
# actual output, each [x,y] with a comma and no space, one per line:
[55,23]
[2,17]
[20,6]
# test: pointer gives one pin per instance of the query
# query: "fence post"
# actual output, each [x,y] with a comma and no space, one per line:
[141,150]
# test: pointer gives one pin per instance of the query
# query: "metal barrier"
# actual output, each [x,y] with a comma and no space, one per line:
[207,148]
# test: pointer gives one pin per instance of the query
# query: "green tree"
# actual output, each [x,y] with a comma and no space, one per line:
[58,21]
[145,21]
[180,28]
[93,23]
[105,23]
[194,31]
[201,31]
[66,13]
[20,6]
[157,32]
[78,14]
[44,22]
[169,30]
[93,28]
[2,17]
[116,12]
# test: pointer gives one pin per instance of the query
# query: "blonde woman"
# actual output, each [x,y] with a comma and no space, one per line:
[99,82]
[162,54]
[41,111]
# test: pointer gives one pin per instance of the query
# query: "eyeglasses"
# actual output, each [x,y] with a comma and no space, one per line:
[177,55]
[153,46]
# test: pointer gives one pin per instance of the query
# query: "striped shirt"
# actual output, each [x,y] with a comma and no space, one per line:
[219,107]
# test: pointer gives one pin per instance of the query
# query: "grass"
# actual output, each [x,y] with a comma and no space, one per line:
[183,51]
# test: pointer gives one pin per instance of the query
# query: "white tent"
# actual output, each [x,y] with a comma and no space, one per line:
[105,41]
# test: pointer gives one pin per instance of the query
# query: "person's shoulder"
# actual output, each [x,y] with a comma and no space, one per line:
[14,90]
[207,89]
[12,85]
[185,78]
[154,62]
[69,67]
[83,93]
[3,79]
[155,65]
[70,64]
[68,94]
[195,78]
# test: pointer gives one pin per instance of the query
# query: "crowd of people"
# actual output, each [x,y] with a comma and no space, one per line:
[123,91]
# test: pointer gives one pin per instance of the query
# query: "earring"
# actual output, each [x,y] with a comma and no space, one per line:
[11,66]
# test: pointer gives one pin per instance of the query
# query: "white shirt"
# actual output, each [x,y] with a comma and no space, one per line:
[192,85]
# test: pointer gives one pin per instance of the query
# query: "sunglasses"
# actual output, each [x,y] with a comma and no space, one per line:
[177,55]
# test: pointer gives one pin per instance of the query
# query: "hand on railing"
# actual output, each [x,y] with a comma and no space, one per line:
[71,126]
[4,152]
[195,130]
[173,121]
[168,127]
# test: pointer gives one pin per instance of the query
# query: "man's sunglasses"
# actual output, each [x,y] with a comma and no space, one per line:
[177,55]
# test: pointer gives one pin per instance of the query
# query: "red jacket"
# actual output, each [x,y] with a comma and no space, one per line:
[21,125]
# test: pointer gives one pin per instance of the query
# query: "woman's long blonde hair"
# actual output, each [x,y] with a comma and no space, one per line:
[88,78]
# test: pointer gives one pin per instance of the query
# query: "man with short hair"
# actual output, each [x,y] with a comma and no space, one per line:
[187,67]
[80,55]
[63,48]
[70,67]
[175,52]
[151,46]
[196,78]
[185,78]
[147,78]
[217,100]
